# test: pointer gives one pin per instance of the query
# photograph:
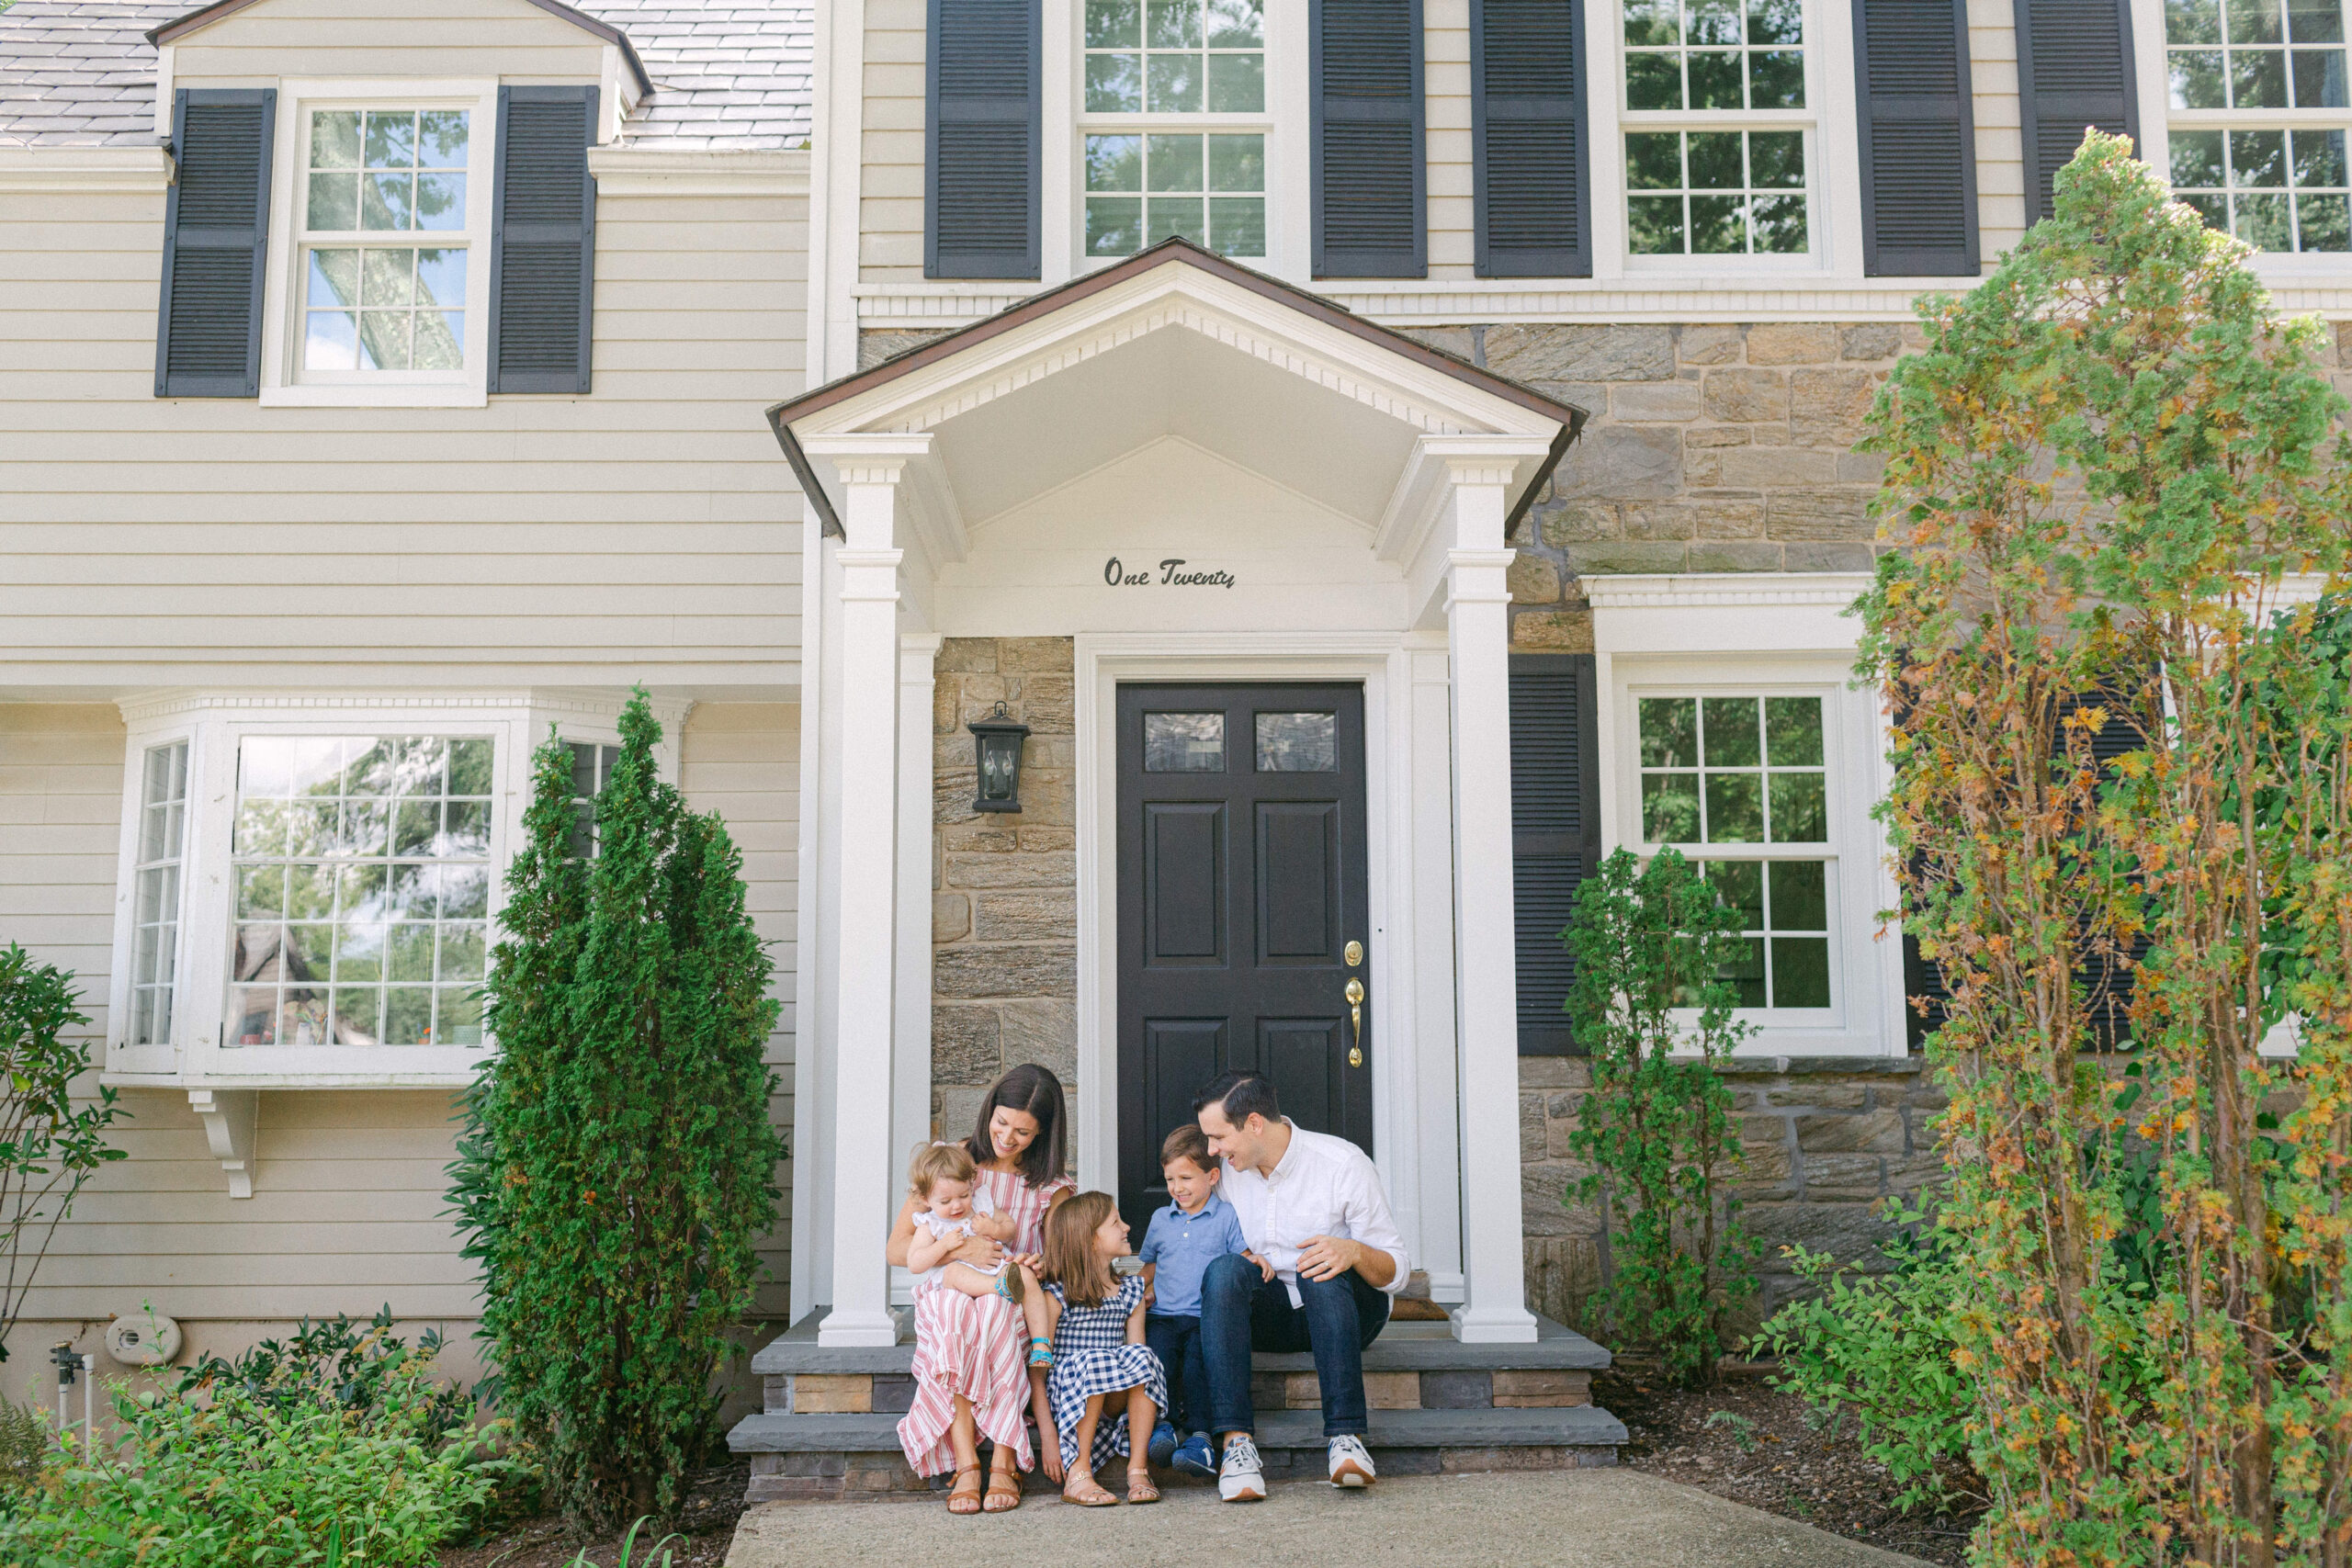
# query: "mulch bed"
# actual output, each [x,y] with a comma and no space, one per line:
[703,1535]
[1743,1440]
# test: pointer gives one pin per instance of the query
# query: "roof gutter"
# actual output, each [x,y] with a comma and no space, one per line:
[805,472]
[1568,432]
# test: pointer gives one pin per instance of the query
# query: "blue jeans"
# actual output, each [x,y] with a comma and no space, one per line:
[1240,1311]
[1177,1342]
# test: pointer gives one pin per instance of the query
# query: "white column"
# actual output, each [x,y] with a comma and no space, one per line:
[911,1063]
[1486,993]
[867,941]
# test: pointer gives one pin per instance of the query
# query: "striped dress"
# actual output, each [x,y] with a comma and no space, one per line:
[977,1346]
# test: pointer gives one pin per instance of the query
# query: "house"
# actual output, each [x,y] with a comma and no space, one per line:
[1386,453]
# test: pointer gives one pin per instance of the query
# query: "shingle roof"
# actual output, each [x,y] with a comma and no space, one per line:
[727,74]
[77,72]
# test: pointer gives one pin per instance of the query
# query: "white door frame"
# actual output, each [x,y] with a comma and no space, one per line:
[1413,1112]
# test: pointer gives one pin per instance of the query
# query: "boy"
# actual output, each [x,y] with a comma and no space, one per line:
[1177,1249]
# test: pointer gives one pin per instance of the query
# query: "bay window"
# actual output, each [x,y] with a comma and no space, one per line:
[311,888]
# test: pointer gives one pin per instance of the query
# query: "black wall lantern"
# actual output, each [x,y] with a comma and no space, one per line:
[998,740]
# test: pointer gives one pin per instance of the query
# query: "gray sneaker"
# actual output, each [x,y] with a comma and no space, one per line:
[1241,1478]
[1350,1462]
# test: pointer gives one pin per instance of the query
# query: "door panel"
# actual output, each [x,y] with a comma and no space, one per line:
[1241,880]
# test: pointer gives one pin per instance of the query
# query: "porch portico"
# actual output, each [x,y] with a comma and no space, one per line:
[1196,475]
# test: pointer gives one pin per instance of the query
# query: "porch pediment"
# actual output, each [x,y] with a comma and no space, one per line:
[1175,342]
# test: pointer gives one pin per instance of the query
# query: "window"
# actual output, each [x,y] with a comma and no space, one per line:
[1157,73]
[1717,128]
[383,226]
[163,832]
[1740,783]
[2259,109]
[362,890]
[591,770]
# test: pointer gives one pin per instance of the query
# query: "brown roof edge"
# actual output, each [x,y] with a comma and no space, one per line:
[1048,301]
[172,31]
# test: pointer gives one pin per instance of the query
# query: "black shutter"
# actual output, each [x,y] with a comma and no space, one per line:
[216,241]
[1527,137]
[543,241]
[2108,979]
[1918,138]
[981,178]
[1366,89]
[1555,830]
[2075,68]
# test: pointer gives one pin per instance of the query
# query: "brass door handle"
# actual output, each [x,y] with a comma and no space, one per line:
[1355,1011]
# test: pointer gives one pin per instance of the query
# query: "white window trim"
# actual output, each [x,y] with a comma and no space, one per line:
[282,385]
[1833,160]
[1289,172]
[213,724]
[1766,633]
[2157,117]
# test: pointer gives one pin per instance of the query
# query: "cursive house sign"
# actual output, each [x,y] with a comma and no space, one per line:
[1172,575]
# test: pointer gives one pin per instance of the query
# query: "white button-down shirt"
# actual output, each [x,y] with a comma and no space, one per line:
[1321,1186]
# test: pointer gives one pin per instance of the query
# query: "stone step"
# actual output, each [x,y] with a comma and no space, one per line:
[833,1457]
[1412,1365]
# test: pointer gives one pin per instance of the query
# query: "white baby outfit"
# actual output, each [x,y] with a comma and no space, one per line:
[943,1229]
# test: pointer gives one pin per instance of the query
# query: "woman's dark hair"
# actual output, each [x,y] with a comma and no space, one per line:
[1035,1091]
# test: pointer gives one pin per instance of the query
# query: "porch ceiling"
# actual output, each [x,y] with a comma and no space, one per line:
[1174,341]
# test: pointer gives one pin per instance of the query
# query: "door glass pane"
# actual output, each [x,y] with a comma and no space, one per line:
[1299,743]
[1183,743]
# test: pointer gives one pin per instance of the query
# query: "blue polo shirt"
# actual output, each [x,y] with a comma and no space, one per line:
[1182,1247]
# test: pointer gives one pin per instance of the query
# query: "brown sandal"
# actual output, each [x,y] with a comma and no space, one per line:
[1139,1486]
[960,1502]
[1097,1497]
[1004,1492]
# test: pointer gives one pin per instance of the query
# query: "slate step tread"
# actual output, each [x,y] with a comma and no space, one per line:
[1573,1425]
[1401,1347]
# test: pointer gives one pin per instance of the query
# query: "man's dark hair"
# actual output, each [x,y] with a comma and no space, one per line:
[1241,1096]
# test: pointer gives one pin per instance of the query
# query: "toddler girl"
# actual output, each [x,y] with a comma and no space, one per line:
[1100,1364]
[949,1211]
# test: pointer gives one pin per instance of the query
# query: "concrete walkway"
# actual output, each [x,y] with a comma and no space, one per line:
[1583,1518]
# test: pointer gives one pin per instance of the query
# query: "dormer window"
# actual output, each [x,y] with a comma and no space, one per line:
[384,234]
[1174,130]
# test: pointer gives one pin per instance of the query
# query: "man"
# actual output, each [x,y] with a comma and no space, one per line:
[1325,1260]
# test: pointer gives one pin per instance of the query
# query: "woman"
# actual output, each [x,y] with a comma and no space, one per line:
[970,1351]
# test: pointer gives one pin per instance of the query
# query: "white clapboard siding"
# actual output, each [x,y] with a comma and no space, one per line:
[349,1209]
[435,40]
[1452,214]
[646,532]
[890,216]
[2000,138]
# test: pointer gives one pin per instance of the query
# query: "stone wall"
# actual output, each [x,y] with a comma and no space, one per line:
[1004,899]
[1828,1140]
[1710,448]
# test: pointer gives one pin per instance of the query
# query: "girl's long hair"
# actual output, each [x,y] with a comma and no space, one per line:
[1070,1260]
[1034,1090]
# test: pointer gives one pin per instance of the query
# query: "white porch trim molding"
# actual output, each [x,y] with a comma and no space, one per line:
[914,495]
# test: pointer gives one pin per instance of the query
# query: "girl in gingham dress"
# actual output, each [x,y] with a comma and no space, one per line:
[1105,1383]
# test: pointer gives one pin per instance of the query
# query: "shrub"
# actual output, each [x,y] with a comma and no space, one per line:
[1879,1347]
[48,1145]
[1652,943]
[228,1478]
[24,1448]
[360,1368]
[618,1163]
[2117,759]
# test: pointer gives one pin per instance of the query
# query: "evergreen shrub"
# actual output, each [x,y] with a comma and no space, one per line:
[617,1163]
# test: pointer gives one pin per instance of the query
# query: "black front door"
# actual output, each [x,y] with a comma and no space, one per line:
[1242,910]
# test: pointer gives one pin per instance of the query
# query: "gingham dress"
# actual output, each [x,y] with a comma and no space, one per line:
[1092,1356]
